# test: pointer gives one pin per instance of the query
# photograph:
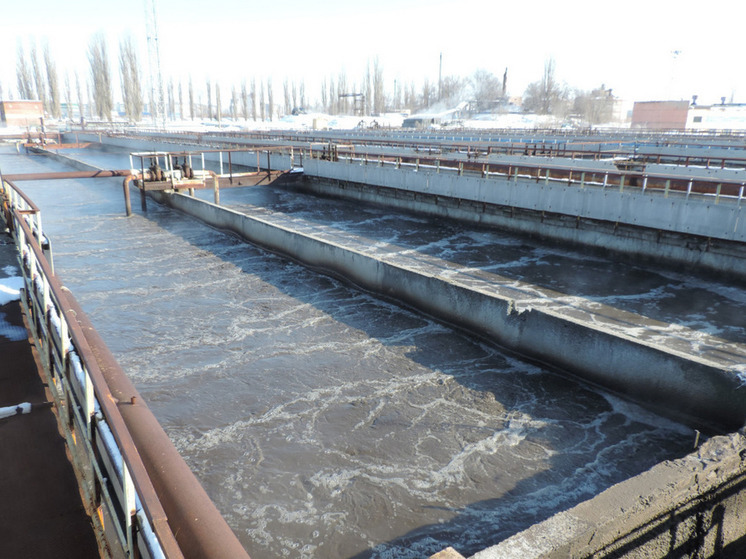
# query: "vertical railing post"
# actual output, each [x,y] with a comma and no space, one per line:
[90,404]
[128,490]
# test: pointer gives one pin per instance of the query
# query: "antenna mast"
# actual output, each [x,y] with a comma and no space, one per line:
[154,63]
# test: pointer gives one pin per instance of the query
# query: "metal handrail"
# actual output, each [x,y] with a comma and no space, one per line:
[643,181]
[115,468]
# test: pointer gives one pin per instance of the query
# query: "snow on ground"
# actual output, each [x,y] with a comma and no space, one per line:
[10,289]
[322,121]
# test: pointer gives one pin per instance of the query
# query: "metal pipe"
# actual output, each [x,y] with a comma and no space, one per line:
[68,175]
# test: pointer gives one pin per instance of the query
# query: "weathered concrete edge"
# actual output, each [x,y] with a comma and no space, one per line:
[696,502]
[679,385]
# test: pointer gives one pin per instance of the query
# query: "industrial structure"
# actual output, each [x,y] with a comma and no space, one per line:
[642,196]
[685,115]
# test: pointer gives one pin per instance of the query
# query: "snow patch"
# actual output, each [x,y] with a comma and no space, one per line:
[10,289]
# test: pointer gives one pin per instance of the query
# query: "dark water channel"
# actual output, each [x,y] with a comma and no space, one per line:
[325,422]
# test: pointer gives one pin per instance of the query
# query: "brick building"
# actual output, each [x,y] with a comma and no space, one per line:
[21,113]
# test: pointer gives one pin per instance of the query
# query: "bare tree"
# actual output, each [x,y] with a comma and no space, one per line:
[596,106]
[333,98]
[486,89]
[218,107]
[253,99]
[55,108]
[171,100]
[191,98]
[129,71]
[428,93]
[244,100]
[23,75]
[261,102]
[324,96]
[410,97]
[452,89]
[379,98]
[41,90]
[209,99]
[302,93]
[89,103]
[80,96]
[546,96]
[342,89]
[100,76]
[368,91]
[234,104]
[286,95]
[68,98]
[270,99]
[181,102]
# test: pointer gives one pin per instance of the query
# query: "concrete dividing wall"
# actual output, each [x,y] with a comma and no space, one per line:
[707,254]
[691,507]
[693,215]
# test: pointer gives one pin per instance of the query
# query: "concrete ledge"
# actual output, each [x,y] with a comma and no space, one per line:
[691,507]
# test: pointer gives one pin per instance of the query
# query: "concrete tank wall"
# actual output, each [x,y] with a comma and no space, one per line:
[693,215]
[691,507]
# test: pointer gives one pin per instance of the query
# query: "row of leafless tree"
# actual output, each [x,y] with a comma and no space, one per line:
[252,100]
[549,96]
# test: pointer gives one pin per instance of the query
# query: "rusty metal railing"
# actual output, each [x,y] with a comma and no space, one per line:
[142,498]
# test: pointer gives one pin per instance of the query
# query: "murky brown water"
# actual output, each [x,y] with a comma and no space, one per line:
[325,422]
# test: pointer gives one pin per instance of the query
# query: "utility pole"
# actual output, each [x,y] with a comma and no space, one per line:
[157,108]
